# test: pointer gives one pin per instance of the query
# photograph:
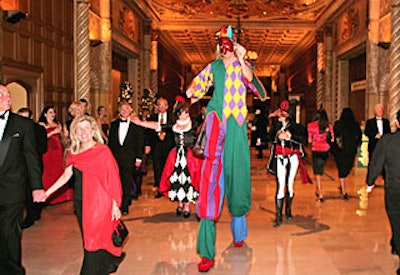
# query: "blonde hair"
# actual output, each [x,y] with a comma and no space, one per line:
[75,105]
[75,142]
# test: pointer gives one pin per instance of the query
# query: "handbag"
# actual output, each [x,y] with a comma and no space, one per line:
[200,143]
[120,233]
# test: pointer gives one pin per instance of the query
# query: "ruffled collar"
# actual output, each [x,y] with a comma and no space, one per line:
[184,125]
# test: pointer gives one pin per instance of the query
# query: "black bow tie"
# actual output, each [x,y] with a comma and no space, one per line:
[3,115]
[123,120]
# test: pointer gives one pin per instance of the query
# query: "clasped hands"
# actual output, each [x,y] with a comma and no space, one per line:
[39,195]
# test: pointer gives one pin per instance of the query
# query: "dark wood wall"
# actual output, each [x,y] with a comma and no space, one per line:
[38,53]
[171,75]
[357,72]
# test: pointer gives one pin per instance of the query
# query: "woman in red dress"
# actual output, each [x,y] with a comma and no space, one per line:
[98,195]
[53,159]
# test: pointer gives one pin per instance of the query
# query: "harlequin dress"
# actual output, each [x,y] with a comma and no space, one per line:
[181,175]
[53,167]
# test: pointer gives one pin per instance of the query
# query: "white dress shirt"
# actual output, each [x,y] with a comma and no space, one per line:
[379,124]
[3,123]
[123,131]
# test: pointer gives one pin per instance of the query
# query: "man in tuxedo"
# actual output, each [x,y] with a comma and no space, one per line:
[126,143]
[162,142]
[18,165]
[33,210]
[375,128]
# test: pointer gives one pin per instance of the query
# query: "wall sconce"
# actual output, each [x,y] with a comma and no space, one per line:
[384,45]
[14,17]
[96,42]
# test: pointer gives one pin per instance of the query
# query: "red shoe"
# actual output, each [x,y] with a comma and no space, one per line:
[239,244]
[206,264]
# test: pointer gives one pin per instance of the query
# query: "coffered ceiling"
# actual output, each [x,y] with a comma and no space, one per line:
[277,30]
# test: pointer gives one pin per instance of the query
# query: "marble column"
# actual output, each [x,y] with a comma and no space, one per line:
[372,73]
[394,90]
[146,52]
[82,50]
[105,53]
[328,93]
[320,69]
[154,61]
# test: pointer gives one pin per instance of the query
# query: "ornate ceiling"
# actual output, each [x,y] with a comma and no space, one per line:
[277,30]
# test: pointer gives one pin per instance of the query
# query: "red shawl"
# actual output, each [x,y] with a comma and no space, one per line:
[100,185]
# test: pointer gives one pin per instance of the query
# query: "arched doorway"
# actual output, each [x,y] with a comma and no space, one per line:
[19,96]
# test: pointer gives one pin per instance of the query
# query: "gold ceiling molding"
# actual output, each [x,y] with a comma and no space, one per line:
[277,30]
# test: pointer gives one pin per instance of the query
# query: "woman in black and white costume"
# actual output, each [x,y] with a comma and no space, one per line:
[288,137]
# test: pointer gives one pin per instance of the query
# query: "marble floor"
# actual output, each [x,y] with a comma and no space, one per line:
[333,237]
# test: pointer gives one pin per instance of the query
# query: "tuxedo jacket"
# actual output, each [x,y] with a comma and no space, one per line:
[19,160]
[132,148]
[152,137]
[371,129]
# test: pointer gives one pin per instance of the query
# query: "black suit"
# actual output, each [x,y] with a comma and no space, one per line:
[33,210]
[161,148]
[371,129]
[126,156]
[18,164]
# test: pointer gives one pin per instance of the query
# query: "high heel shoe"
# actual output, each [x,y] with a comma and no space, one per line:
[186,214]
[319,197]
[179,211]
[345,196]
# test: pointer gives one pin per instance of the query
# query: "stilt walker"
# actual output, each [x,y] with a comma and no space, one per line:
[226,167]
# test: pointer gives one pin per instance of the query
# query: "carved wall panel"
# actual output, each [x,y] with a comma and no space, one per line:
[41,46]
[351,23]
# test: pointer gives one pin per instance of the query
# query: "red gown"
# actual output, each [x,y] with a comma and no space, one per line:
[53,167]
[100,185]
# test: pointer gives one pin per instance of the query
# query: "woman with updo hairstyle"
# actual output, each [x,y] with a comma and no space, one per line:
[102,122]
[53,158]
[75,109]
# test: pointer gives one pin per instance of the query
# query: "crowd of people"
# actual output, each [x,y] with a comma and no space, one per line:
[62,158]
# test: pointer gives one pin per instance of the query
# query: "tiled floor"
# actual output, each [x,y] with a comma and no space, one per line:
[333,237]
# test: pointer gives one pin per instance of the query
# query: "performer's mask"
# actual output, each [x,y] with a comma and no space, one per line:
[225,45]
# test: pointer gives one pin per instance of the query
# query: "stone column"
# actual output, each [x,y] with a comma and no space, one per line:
[372,79]
[394,90]
[105,53]
[343,85]
[146,51]
[133,78]
[320,69]
[154,61]
[82,50]
[328,94]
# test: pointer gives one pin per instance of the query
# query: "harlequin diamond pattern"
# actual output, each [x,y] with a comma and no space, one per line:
[235,95]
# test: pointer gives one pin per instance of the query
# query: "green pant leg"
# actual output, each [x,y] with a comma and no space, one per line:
[237,168]
[206,239]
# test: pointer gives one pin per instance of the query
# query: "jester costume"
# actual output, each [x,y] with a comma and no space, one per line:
[226,167]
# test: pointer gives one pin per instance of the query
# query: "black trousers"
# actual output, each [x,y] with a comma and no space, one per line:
[160,155]
[11,216]
[126,174]
[33,209]
[392,205]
